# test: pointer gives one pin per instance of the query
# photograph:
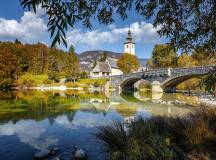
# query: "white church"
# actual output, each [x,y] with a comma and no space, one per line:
[109,67]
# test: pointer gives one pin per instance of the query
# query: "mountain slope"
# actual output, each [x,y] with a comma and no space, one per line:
[89,57]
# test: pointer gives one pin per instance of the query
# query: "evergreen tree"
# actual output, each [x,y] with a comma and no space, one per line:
[9,68]
[72,66]
[17,41]
[53,70]
[72,49]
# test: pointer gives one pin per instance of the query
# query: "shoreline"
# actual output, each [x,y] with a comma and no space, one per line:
[203,98]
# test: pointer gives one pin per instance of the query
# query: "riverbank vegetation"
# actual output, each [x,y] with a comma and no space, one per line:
[25,64]
[192,137]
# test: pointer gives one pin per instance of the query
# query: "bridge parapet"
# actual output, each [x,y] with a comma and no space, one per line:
[156,72]
[190,71]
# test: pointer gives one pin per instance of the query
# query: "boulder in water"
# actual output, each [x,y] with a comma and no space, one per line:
[79,154]
[42,155]
[45,154]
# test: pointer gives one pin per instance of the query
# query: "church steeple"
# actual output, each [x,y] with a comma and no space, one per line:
[129,45]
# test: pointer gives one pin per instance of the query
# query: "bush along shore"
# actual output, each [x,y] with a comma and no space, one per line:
[163,138]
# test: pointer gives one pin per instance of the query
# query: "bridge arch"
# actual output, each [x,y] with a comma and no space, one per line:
[171,83]
[129,84]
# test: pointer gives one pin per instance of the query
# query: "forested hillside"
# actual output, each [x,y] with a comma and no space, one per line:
[17,59]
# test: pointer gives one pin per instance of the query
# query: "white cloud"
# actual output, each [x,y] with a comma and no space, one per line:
[142,32]
[83,121]
[30,29]
[29,132]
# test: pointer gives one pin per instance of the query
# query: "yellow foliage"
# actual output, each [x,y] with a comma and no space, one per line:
[128,63]
[186,60]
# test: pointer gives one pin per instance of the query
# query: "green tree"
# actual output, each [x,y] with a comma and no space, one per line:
[163,55]
[9,68]
[53,70]
[17,41]
[72,49]
[72,66]
[128,63]
[84,74]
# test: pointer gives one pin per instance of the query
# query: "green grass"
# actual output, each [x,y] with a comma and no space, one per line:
[93,81]
[32,80]
[163,138]
[38,80]
[86,83]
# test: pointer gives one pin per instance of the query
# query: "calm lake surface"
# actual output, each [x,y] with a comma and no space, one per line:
[34,120]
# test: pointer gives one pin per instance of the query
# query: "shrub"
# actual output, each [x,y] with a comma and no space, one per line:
[71,85]
[47,81]
[96,84]
[162,138]
[31,80]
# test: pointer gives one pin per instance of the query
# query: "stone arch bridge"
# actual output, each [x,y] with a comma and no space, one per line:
[166,78]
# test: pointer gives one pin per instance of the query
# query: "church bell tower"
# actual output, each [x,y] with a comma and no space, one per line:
[129,45]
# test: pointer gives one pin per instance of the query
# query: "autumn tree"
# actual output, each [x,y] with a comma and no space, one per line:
[128,63]
[53,70]
[9,68]
[202,57]
[72,66]
[185,60]
[163,55]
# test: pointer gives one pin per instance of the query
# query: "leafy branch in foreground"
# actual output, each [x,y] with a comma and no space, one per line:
[188,24]
[210,82]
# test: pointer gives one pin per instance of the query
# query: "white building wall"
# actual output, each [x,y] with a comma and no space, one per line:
[129,48]
[115,71]
[98,74]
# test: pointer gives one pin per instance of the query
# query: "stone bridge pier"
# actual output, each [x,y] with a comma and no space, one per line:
[161,79]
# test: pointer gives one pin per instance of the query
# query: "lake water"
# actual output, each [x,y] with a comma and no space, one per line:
[32,121]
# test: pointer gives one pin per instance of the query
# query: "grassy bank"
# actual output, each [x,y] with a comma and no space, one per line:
[85,83]
[162,138]
[29,80]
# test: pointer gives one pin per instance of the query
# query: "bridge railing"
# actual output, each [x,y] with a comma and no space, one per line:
[191,70]
[166,71]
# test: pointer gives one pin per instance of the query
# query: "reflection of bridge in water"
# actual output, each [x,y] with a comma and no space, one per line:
[167,78]
[133,103]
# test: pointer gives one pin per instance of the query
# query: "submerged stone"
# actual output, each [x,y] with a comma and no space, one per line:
[79,154]
[46,154]
[42,155]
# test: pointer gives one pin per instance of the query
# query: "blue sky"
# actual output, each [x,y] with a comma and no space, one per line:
[31,28]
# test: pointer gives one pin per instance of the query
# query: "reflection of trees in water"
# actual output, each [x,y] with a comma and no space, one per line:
[37,106]
[7,95]
[126,110]
[41,105]
[70,116]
